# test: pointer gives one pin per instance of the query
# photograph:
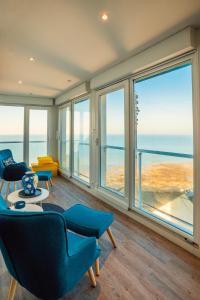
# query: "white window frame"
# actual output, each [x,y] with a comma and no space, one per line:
[24,107]
[26,127]
[68,173]
[27,109]
[196,142]
[73,102]
[112,196]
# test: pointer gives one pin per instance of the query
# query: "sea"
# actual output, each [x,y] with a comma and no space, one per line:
[37,146]
[182,144]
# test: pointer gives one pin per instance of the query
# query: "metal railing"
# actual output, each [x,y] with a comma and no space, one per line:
[140,153]
[155,152]
[20,142]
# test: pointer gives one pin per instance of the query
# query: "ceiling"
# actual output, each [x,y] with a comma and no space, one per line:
[71,43]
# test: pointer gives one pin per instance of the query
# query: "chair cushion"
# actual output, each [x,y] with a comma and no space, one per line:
[44,175]
[45,160]
[87,221]
[15,171]
[77,242]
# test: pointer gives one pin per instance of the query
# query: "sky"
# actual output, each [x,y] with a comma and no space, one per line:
[12,121]
[165,103]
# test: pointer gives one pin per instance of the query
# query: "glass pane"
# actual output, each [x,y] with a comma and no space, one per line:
[12,133]
[81,140]
[112,141]
[65,138]
[164,169]
[37,134]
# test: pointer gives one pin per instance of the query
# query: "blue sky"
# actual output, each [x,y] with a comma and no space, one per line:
[12,121]
[165,103]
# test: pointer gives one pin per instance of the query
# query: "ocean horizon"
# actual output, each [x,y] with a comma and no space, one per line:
[115,157]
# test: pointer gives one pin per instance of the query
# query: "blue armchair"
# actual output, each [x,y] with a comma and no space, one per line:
[11,173]
[41,255]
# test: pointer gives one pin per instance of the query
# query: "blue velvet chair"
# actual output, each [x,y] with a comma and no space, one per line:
[11,173]
[41,255]
[89,222]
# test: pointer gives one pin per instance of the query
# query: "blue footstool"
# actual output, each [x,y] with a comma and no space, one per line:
[45,176]
[89,222]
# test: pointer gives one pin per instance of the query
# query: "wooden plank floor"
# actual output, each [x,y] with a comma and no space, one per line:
[145,266]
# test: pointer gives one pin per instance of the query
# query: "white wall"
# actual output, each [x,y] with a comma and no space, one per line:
[177,44]
[52,132]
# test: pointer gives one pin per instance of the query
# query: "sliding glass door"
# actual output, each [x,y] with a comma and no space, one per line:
[64,138]
[164,146]
[12,130]
[81,140]
[112,141]
[37,133]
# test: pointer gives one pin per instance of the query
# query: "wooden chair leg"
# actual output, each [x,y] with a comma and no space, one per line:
[2,184]
[8,189]
[47,185]
[51,182]
[15,185]
[92,277]
[111,237]
[12,289]
[97,267]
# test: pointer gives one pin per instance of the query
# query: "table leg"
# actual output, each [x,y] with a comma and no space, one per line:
[8,189]
[47,185]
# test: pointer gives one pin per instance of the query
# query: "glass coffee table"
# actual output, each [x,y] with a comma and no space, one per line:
[14,197]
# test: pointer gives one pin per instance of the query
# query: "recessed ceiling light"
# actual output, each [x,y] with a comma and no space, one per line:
[32,58]
[104,17]
[20,82]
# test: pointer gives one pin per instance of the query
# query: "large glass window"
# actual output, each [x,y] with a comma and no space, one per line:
[164,152]
[112,141]
[37,134]
[12,130]
[81,140]
[65,119]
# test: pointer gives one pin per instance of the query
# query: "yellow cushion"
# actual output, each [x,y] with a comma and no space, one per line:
[45,159]
[47,167]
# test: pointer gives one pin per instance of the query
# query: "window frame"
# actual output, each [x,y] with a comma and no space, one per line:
[24,129]
[27,109]
[111,195]
[193,59]
[68,173]
[73,102]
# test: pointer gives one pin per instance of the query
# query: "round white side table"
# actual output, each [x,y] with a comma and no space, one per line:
[14,197]
[28,208]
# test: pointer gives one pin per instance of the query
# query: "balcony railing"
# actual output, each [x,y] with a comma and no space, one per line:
[20,142]
[154,152]
[140,153]
[17,148]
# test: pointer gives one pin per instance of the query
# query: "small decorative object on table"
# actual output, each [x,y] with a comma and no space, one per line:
[20,204]
[30,182]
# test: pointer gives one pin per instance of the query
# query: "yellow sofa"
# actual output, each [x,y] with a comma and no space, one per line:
[45,163]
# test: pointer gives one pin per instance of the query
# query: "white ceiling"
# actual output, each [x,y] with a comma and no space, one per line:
[70,42]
